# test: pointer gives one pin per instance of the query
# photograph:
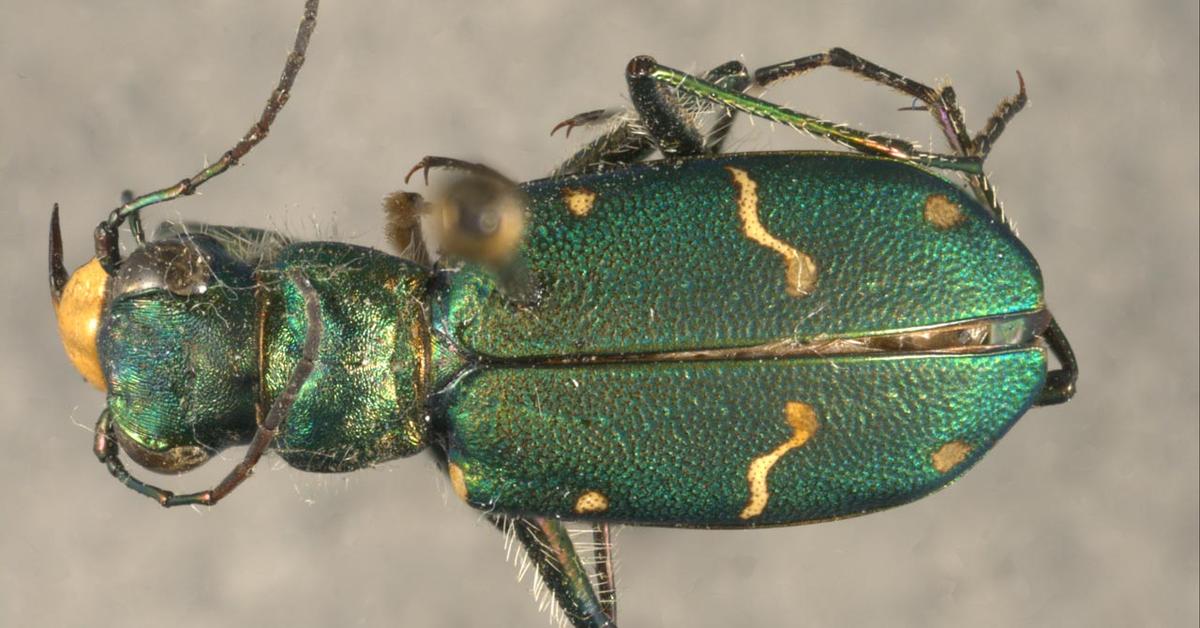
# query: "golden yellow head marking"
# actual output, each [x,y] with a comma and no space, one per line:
[590,502]
[950,455]
[800,268]
[78,313]
[803,420]
[942,212]
[579,200]
[458,481]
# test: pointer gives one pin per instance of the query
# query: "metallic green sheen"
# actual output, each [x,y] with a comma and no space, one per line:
[185,371]
[670,443]
[660,263]
[593,385]
[364,402]
[181,371]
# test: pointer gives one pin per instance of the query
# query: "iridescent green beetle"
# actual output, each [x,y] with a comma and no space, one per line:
[706,341]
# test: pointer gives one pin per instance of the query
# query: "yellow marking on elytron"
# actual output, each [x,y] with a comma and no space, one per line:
[591,501]
[950,455]
[801,270]
[458,481]
[579,200]
[803,420]
[942,212]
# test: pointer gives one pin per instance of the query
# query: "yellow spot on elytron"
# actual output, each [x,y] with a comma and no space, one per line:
[803,420]
[942,212]
[950,455]
[591,501]
[801,270]
[78,312]
[458,481]
[579,200]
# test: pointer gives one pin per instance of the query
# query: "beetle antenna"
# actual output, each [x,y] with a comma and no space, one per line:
[107,249]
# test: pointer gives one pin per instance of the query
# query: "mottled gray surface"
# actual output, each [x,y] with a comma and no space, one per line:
[1085,515]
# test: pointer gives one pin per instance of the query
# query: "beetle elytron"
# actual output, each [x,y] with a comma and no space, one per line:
[709,340]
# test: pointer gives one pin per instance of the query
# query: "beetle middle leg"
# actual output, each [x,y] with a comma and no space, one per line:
[665,121]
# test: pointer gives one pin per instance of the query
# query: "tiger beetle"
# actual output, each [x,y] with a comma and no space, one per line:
[709,340]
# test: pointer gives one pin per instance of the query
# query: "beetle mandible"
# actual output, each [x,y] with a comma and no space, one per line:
[708,340]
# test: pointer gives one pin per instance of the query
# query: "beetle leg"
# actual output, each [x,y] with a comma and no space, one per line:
[1005,111]
[107,450]
[107,249]
[949,118]
[869,143]
[635,138]
[941,103]
[549,547]
[670,118]
[606,578]
[732,75]
[625,143]
[430,162]
[587,118]
[1060,383]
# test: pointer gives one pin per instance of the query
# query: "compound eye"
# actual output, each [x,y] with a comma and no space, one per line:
[177,266]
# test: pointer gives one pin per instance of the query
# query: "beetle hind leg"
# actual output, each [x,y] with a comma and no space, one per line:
[948,115]
[549,548]
[1060,383]
[941,103]
[605,570]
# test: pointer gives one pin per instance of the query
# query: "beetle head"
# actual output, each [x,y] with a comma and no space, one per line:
[170,337]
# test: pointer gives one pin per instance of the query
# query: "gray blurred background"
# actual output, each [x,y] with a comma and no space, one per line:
[1085,515]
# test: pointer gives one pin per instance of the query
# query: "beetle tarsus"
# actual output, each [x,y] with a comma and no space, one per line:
[430,162]
[586,118]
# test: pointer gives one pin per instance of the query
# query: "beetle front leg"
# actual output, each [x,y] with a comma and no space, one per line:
[549,547]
